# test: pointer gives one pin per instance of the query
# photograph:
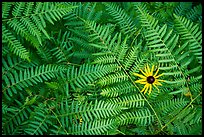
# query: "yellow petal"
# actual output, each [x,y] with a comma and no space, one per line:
[159,75]
[150,89]
[146,89]
[148,69]
[141,81]
[155,87]
[156,72]
[152,70]
[144,73]
[158,83]
[141,76]
[161,80]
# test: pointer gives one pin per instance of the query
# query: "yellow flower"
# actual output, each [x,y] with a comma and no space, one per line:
[149,79]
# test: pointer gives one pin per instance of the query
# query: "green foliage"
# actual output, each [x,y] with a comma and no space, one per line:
[29,21]
[67,68]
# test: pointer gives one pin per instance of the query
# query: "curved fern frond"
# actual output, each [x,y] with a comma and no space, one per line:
[131,57]
[170,107]
[38,122]
[28,77]
[81,39]
[98,111]
[191,33]
[139,62]
[140,117]
[194,13]
[116,90]
[86,11]
[15,63]
[132,101]
[14,45]
[96,127]
[126,24]
[62,47]
[5,9]
[182,8]
[15,118]
[113,78]
[29,19]
[100,34]
[87,74]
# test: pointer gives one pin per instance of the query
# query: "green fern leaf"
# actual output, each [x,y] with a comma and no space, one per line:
[15,118]
[116,90]
[26,78]
[194,13]
[140,117]
[133,101]
[14,45]
[87,74]
[190,33]
[126,24]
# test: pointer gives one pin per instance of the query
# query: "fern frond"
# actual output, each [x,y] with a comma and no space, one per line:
[99,34]
[96,110]
[18,8]
[81,42]
[38,121]
[113,78]
[161,42]
[31,18]
[194,13]
[139,62]
[140,117]
[15,117]
[94,50]
[96,127]
[14,45]
[191,33]
[28,77]
[190,115]
[62,47]
[116,90]
[185,120]
[14,63]
[72,17]
[182,8]
[126,24]
[132,101]
[44,53]
[104,59]
[32,28]
[130,58]
[87,74]
[84,11]
[5,9]
[195,85]
[170,107]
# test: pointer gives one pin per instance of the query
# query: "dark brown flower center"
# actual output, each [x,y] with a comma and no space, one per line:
[150,79]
